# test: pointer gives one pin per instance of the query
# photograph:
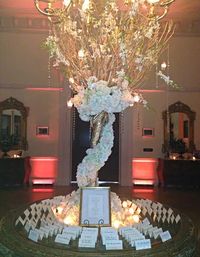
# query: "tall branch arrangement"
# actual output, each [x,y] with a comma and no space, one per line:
[105,38]
[105,48]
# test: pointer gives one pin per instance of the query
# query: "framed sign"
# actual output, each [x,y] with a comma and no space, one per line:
[148,132]
[95,207]
[42,131]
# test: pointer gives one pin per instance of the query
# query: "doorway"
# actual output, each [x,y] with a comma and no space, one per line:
[109,173]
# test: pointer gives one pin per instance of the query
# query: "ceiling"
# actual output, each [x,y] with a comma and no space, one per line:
[180,10]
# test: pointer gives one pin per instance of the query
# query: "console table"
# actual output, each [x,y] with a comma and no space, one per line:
[14,171]
[179,172]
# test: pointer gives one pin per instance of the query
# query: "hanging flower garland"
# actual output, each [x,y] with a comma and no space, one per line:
[98,97]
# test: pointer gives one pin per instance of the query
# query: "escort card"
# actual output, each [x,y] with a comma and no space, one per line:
[159,205]
[149,211]
[27,227]
[107,238]
[26,212]
[114,245]
[170,211]
[178,218]
[144,211]
[41,233]
[168,219]
[33,206]
[172,219]
[158,218]
[125,229]
[105,229]
[74,229]
[154,206]
[86,243]
[165,236]
[45,230]
[20,220]
[134,206]
[134,239]
[164,211]
[62,239]
[154,217]
[150,231]
[157,232]
[146,221]
[33,235]
[163,218]
[143,244]
[71,234]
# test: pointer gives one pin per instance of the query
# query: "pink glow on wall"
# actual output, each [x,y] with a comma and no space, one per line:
[142,190]
[43,190]
[144,171]
[44,88]
[44,170]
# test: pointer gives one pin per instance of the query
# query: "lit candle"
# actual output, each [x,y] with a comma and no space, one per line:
[136,218]
[68,220]
[116,224]
[69,103]
[163,66]
[124,204]
[86,5]
[66,2]
[81,53]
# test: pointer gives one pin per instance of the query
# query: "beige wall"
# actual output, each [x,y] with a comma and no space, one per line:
[23,64]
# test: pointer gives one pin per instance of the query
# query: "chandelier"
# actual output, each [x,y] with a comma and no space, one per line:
[106,38]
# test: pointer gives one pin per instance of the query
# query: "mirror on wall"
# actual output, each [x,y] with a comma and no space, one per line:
[13,125]
[178,128]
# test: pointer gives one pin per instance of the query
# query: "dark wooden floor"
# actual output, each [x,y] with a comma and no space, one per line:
[185,200]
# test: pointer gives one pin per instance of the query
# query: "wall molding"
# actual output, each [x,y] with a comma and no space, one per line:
[41,24]
[24,24]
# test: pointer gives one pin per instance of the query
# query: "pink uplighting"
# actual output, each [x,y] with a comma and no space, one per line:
[142,190]
[43,181]
[44,88]
[42,190]
[44,170]
[144,171]
[143,182]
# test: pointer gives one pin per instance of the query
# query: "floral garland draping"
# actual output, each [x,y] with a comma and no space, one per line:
[96,98]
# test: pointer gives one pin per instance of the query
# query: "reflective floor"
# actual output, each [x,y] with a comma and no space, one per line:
[185,200]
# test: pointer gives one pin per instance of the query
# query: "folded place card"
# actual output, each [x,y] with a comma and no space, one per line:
[86,243]
[143,244]
[108,238]
[157,232]
[62,239]
[144,211]
[150,231]
[178,218]
[134,239]
[164,211]
[165,236]
[154,206]
[172,219]
[71,234]
[20,220]
[170,211]
[27,227]
[114,245]
[146,221]
[33,235]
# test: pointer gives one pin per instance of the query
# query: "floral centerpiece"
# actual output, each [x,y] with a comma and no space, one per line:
[105,49]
